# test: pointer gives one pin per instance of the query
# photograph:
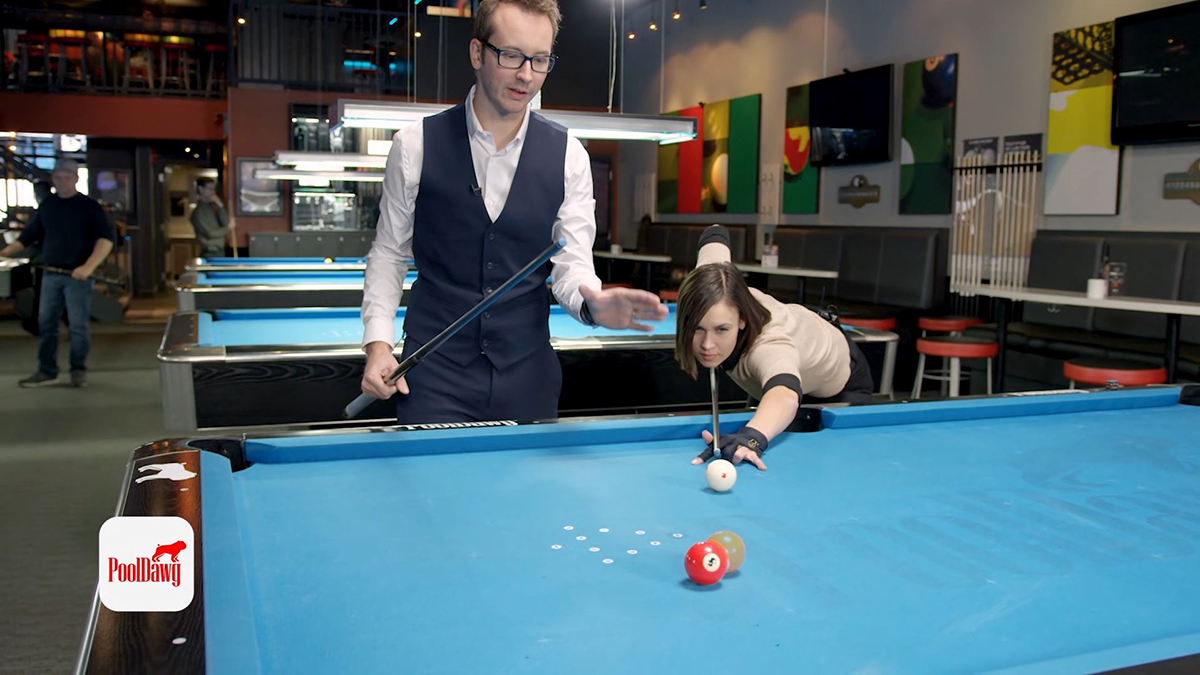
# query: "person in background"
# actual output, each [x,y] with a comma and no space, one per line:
[74,235]
[210,219]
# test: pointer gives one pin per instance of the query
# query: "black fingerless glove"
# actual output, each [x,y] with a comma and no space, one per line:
[749,437]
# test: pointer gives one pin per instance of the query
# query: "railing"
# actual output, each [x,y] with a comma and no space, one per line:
[60,51]
[306,47]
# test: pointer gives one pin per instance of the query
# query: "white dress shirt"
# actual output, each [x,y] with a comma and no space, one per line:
[494,169]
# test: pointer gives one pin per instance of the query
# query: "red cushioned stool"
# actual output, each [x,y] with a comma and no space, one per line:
[668,295]
[954,325]
[946,324]
[955,348]
[615,285]
[1112,371]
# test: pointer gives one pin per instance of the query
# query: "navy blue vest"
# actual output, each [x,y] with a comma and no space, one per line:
[463,255]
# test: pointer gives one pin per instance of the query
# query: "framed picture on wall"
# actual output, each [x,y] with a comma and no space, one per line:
[257,196]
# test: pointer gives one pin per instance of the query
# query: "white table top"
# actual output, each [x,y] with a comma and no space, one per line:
[12,263]
[637,257]
[789,271]
[1080,299]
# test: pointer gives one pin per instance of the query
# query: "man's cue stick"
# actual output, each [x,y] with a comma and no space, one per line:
[91,277]
[357,405]
[712,380]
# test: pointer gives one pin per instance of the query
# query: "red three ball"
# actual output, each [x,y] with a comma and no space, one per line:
[706,562]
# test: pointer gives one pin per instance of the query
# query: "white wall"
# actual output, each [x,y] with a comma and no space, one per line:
[739,47]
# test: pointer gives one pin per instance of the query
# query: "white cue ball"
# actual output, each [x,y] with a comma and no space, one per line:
[721,475]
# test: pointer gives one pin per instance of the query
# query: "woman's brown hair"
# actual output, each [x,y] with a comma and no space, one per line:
[704,287]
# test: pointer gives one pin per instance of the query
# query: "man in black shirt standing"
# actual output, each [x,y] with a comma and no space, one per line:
[74,234]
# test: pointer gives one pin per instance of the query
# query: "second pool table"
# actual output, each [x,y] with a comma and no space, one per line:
[229,368]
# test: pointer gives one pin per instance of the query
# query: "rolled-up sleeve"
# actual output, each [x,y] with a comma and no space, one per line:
[576,221]
[387,263]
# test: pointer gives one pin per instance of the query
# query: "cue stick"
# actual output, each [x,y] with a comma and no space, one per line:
[712,381]
[359,404]
[91,277]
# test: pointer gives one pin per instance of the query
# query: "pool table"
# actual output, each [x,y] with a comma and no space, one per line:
[275,264]
[1016,534]
[228,368]
[248,289]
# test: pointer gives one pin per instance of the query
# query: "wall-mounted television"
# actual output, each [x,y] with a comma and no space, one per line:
[1156,92]
[850,117]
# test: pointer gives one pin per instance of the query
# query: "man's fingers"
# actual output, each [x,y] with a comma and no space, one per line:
[635,325]
[402,386]
[707,436]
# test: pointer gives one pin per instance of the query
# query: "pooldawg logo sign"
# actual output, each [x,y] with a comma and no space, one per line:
[147,564]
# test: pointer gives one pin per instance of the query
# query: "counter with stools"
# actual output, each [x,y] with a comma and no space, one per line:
[1105,372]
[955,348]
[65,43]
[875,322]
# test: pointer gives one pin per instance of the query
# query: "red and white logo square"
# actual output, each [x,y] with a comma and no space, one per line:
[147,564]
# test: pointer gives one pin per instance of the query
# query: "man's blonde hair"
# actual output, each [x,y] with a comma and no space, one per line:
[487,8]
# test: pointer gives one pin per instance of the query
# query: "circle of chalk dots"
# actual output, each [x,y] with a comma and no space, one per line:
[655,543]
[556,546]
[604,529]
[179,641]
[631,552]
[580,538]
[569,527]
[594,549]
[608,561]
[677,535]
[639,532]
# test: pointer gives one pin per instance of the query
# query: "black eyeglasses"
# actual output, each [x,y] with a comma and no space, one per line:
[514,60]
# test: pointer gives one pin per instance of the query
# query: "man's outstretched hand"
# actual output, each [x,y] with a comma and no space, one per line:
[621,308]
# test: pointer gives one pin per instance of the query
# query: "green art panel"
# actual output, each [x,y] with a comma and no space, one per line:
[927,135]
[668,177]
[801,180]
[744,124]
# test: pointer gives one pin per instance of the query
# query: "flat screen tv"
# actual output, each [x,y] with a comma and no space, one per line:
[1156,92]
[850,117]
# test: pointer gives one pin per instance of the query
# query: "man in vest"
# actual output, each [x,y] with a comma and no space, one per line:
[501,183]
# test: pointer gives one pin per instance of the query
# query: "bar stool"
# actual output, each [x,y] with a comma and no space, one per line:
[955,348]
[31,46]
[67,41]
[952,325]
[616,285]
[669,295]
[215,76]
[1102,371]
[142,45]
[177,63]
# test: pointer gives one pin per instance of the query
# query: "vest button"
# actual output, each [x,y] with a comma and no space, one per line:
[484,343]
[487,315]
[490,266]
[487,291]
[491,236]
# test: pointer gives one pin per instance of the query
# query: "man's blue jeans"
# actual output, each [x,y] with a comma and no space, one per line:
[60,291]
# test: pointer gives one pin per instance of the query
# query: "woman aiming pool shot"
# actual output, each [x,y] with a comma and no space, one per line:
[776,352]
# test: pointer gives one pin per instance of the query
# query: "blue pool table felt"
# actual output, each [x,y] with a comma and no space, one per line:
[281,261]
[1041,541]
[343,325]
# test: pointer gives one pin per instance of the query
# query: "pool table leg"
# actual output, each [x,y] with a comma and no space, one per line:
[1001,309]
[1172,346]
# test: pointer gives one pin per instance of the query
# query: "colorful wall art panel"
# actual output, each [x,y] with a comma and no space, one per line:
[927,135]
[679,170]
[1082,165]
[801,180]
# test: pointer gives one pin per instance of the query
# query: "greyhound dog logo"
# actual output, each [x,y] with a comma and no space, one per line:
[175,471]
